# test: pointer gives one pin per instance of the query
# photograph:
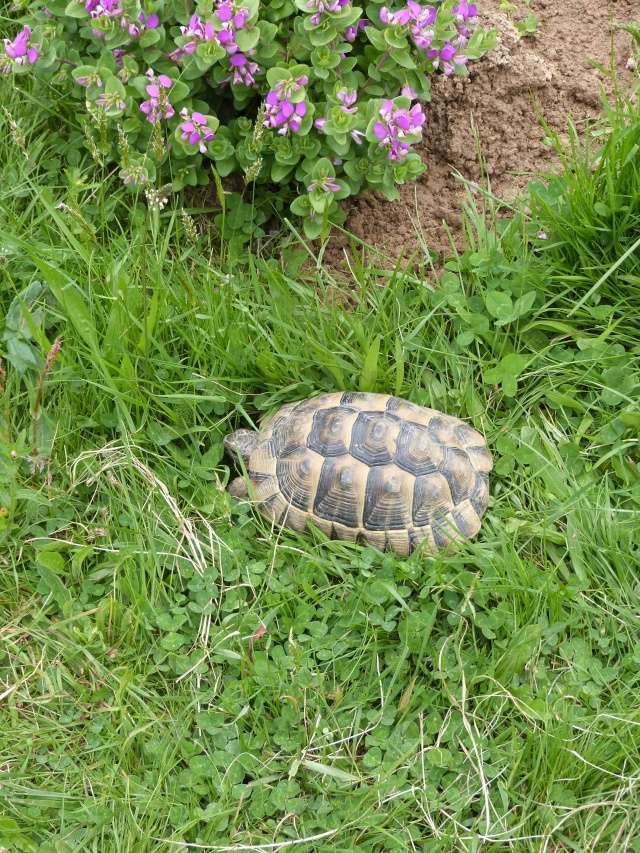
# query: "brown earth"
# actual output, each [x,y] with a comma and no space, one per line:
[494,111]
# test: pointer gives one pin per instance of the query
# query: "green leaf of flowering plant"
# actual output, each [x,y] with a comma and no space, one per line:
[248,39]
[280,172]
[301,206]
[323,169]
[376,37]
[396,37]
[314,225]
[75,9]
[150,37]
[179,91]
[323,34]
[320,201]
[325,58]
[114,87]
[275,75]
[402,57]
[208,53]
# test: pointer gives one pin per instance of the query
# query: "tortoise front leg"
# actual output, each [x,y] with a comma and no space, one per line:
[237,488]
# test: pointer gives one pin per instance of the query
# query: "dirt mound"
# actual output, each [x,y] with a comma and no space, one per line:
[491,117]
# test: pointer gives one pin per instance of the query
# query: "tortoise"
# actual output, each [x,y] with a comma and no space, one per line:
[366,467]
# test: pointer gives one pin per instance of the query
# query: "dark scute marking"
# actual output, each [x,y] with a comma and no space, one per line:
[289,436]
[361,539]
[413,453]
[439,428]
[431,497]
[295,481]
[258,477]
[346,478]
[479,497]
[356,397]
[327,436]
[440,537]
[393,404]
[334,532]
[335,501]
[408,410]
[373,438]
[270,503]
[459,473]
[416,539]
[383,510]
[463,524]
[392,486]
[466,435]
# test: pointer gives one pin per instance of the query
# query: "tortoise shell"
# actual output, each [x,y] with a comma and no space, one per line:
[369,468]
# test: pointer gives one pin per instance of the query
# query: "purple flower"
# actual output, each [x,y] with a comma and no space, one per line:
[110,102]
[230,19]
[197,31]
[104,8]
[466,17]
[351,33]
[145,22]
[357,136]
[244,70]
[319,7]
[227,14]
[134,174]
[395,126]
[281,112]
[402,16]
[447,57]
[92,79]
[328,185]
[319,124]
[421,20]
[118,55]
[195,130]
[20,50]
[158,106]
[347,99]
[408,92]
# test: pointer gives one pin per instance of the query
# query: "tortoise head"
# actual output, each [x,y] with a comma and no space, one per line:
[241,443]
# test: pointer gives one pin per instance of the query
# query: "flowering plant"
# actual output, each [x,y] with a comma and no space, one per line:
[312,99]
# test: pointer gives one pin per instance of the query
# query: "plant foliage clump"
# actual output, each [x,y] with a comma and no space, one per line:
[313,100]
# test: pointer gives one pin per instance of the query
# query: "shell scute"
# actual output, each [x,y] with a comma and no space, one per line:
[298,474]
[387,502]
[340,493]
[431,499]
[459,473]
[374,438]
[331,430]
[417,452]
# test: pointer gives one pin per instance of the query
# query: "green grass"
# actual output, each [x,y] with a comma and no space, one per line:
[174,673]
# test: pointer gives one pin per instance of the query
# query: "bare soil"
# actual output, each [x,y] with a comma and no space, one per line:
[486,126]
